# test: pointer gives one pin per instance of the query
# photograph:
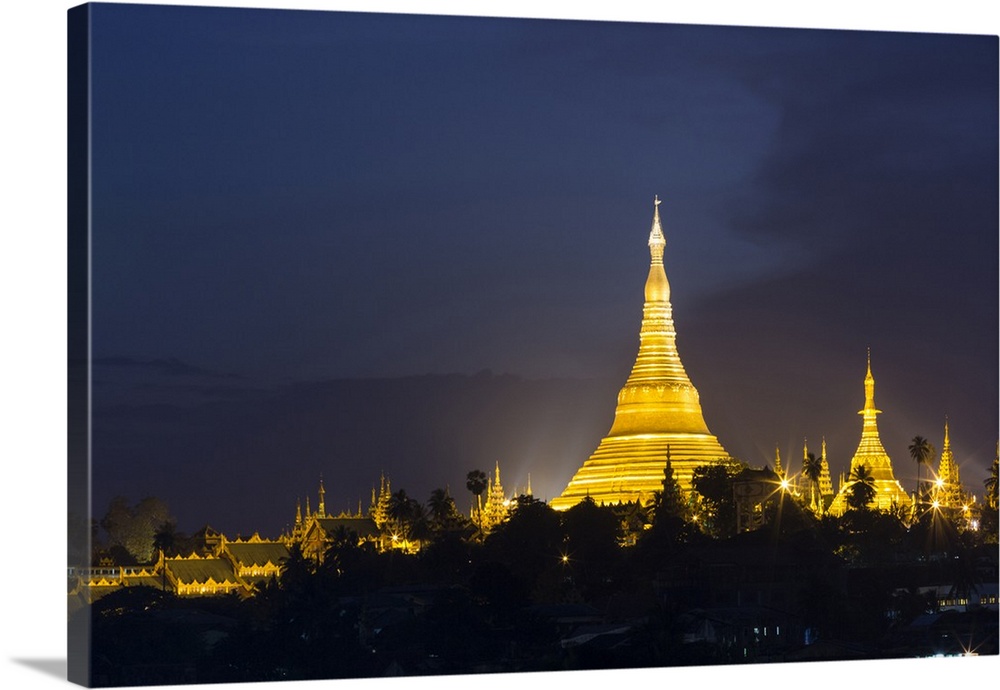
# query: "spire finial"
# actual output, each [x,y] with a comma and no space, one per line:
[869,384]
[656,240]
[322,497]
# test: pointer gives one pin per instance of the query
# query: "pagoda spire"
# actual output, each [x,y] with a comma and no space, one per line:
[825,481]
[871,444]
[802,483]
[778,470]
[321,511]
[949,491]
[658,406]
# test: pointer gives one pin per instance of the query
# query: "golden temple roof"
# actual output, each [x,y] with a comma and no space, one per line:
[658,408]
[260,553]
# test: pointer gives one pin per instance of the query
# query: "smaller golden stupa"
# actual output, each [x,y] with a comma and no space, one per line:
[870,453]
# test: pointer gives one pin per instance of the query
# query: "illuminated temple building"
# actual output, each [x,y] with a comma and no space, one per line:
[658,409]
[819,495]
[870,453]
[948,492]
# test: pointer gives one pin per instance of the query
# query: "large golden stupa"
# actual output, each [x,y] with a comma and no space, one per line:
[658,411]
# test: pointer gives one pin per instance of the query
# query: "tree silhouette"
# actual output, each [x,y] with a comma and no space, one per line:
[164,541]
[670,500]
[990,521]
[591,537]
[992,484]
[529,542]
[476,482]
[134,527]
[812,468]
[921,451]
[443,514]
[862,492]
[714,483]
[406,515]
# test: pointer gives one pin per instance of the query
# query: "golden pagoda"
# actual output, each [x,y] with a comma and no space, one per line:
[657,408]
[495,509]
[870,453]
[825,481]
[778,469]
[947,491]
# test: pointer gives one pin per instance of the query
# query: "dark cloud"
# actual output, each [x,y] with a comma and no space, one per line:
[884,139]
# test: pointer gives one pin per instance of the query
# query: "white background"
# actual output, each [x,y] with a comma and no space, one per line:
[33,335]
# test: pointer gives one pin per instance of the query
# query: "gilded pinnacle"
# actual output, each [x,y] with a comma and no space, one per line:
[657,241]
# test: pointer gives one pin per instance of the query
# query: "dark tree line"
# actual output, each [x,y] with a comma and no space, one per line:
[467,602]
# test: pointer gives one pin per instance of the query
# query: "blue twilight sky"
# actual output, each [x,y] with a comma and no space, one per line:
[292,196]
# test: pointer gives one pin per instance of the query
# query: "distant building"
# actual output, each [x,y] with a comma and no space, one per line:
[315,532]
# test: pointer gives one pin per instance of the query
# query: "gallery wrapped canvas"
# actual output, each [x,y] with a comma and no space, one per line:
[439,345]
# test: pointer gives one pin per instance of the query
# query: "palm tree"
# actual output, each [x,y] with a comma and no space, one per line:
[921,451]
[991,483]
[862,491]
[163,541]
[812,468]
[404,512]
[442,509]
[476,482]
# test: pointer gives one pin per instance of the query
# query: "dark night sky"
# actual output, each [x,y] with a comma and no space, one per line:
[287,196]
